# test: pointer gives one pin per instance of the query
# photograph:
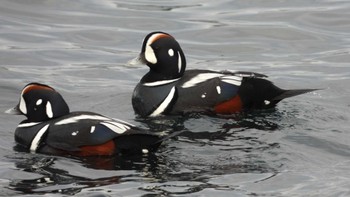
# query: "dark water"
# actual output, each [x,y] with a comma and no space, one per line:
[82,48]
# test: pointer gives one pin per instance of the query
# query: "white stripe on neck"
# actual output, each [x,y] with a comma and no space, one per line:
[29,124]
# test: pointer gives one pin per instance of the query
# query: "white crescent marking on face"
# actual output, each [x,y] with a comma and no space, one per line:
[49,111]
[149,55]
[165,103]
[179,62]
[75,133]
[22,105]
[35,143]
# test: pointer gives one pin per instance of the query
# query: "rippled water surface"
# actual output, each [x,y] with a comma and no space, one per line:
[82,48]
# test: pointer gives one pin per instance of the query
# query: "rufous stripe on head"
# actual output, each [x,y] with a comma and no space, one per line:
[36,87]
[157,36]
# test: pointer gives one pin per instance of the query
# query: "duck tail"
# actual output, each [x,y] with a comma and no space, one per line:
[291,93]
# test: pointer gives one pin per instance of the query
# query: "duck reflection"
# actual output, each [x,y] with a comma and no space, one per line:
[69,175]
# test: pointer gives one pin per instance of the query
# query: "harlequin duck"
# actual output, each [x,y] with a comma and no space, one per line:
[51,129]
[168,89]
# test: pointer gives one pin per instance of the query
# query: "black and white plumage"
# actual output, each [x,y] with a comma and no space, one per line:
[169,89]
[50,128]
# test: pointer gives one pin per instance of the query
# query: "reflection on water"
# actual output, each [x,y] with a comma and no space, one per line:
[64,176]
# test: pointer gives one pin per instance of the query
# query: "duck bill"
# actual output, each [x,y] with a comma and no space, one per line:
[14,111]
[140,59]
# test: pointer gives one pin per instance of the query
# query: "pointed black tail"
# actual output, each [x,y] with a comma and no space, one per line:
[290,93]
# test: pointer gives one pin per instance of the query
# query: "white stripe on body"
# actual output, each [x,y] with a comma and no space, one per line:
[202,77]
[36,141]
[165,103]
[81,117]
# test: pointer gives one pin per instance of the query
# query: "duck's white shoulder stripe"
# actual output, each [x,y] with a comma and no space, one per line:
[116,126]
[165,103]
[123,122]
[234,80]
[158,83]
[81,117]
[200,78]
[36,141]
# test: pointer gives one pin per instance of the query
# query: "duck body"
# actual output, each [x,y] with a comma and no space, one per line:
[169,89]
[51,129]
[209,92]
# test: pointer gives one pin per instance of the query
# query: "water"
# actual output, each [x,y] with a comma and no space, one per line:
[82,48]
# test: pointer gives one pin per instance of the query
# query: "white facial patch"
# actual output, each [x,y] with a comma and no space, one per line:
[165,103]
[149,55]
[39,101]
[267,102]
[23,105]
[75,133]
[49,112]
[171,52]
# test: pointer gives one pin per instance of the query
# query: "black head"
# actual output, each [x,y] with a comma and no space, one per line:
[163,54]
[39,102]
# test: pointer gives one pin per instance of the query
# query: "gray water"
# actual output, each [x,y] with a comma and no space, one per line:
[82,48]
